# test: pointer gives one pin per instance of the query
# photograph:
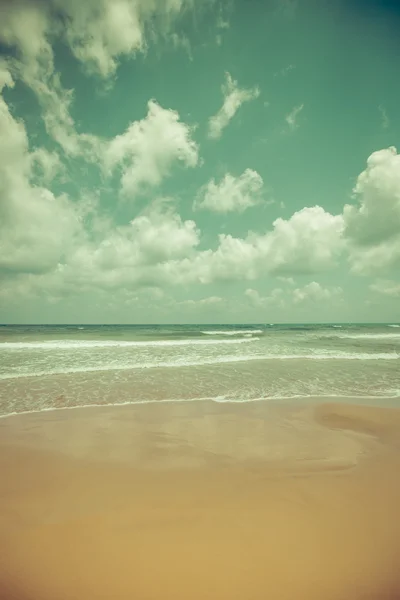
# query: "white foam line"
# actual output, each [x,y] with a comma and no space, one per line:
[233,332]
[106,368]
[78,344]
[212,361]
[216,399]
[368,336]
[221,360]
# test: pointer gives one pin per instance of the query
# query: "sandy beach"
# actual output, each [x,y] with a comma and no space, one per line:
[201,500]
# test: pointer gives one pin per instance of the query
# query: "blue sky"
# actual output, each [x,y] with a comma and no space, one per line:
[199,161]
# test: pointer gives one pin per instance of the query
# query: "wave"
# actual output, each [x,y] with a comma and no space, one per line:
[233,332]
[78,344]
[202,362]
[369,336]
[393,325]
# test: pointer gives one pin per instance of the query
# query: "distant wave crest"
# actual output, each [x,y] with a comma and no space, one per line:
[369,336]
[233,332]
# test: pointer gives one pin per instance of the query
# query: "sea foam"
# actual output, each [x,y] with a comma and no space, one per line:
[78,344]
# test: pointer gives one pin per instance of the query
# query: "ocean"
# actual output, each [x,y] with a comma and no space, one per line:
[44,367]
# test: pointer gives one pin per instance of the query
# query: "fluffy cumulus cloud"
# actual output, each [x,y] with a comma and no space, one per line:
[46,238]
[376,219]
[32,60]
[315,292]
[158,248]
[234,97]
[231,194]
[372,226]
[98,32]
[57,244]
[127,258]
[308,242]
[37,227]
[146,151]
[130,256]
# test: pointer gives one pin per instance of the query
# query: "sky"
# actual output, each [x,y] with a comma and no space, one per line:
[199,161]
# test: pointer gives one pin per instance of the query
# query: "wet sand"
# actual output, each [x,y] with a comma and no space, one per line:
[198,500]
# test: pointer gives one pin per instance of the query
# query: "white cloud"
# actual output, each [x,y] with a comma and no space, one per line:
[377,218]
[275,298]
[64,246]
[386,287]
[20,17]
[234,97]
[36,226]
[292,118]
[308,242]
[101,31]
[372,227]
[160,249]
[148,149]
[313,292]
[48,164]
[210,301]
[231,193]
[34,64]
[375,259]
[56,103]
[98,33]
[47,235]
[5,75]
[131,256]
[316,293]
[159,236]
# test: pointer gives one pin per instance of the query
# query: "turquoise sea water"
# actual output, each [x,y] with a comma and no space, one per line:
[48,366]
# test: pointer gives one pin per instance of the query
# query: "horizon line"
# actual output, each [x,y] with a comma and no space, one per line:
[197,323]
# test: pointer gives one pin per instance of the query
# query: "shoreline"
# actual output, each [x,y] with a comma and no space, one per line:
[375,400]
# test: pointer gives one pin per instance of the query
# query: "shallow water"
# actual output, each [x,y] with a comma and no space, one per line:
[44,367]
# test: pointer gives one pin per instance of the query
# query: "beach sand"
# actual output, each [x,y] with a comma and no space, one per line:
[201,501]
